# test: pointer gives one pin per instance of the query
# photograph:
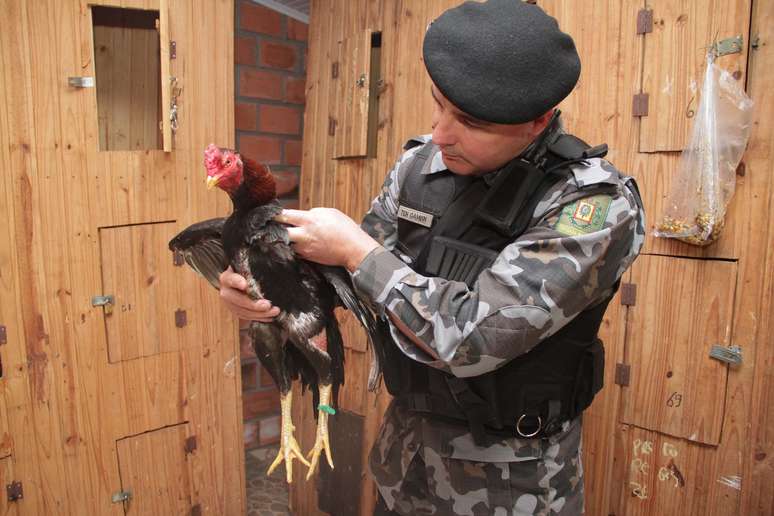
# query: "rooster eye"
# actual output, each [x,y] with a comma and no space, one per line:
[228,162]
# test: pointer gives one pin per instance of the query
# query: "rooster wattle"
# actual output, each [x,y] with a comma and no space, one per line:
[304,339]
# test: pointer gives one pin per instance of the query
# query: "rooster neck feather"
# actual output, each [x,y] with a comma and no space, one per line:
[257,188]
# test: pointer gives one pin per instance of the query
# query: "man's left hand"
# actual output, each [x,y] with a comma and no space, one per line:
[327,236]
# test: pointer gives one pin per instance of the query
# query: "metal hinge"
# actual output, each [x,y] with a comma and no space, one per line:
[622,372]
[644,21]
[121,496]
[15,491]
[732,45]
[190,445]
[173,49]
[728,354]
[3,334]
[628,294]
[640,104]
[335,70]
[181,318]
[105,301]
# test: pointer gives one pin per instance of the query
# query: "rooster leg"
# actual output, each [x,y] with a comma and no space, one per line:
[289,447]
[321,441]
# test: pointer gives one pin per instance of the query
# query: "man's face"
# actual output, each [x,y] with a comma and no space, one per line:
[472,147]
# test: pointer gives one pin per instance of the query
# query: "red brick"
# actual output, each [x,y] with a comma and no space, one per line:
[261,402]
[293,150]
[251,434]
[260,84]
[249,375]
[279,119]
[297,30]
[266,379]
[261,148]
[287,182]
[246,116]
[245,50]
[295,90]
[257,18]
[277,55]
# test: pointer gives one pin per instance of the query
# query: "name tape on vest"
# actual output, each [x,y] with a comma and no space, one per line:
[416,216]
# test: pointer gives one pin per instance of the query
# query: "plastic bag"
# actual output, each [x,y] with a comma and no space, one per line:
[706,177]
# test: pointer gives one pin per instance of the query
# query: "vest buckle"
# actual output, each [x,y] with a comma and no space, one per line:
[533,434]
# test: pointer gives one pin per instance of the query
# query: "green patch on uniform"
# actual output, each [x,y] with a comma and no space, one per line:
[584,216]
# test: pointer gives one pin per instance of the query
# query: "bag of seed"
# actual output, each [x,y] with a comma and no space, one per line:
[706,176]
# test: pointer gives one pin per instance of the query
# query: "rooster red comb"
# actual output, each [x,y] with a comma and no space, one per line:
[212,157]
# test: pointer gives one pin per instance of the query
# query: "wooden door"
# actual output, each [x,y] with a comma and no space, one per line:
[156,469]
[85,394]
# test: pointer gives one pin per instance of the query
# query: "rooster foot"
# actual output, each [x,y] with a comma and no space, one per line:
[289,447]
[321,441]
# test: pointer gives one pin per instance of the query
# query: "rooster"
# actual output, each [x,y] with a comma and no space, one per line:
[304,339]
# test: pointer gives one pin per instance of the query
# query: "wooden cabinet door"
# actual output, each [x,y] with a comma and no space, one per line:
[675,59]
[684,307]
[674,404]
[156,469]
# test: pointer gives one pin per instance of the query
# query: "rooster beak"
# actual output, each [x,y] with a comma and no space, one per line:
[212,181]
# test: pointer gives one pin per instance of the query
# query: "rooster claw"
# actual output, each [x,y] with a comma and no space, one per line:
[321,441]
[287,452]
[289,448]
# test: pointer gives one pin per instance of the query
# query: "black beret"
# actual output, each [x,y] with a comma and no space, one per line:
[503,61]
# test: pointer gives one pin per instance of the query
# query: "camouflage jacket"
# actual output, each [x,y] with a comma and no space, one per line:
[578,244]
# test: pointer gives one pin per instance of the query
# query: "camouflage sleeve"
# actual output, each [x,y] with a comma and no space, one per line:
[565,263]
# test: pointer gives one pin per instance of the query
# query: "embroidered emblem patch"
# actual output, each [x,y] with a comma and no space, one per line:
[584,216]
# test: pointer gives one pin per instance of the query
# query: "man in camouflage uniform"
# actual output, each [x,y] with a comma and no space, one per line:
[581,235]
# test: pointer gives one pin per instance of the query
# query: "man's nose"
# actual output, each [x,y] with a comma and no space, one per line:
[443,131]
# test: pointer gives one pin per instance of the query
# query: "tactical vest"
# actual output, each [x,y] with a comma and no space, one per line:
[454,227]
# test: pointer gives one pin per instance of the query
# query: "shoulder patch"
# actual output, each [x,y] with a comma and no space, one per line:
[584,216]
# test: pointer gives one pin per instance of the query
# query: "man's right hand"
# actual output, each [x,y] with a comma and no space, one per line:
[232,293]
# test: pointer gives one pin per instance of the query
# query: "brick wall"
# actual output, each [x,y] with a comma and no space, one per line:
[270,67]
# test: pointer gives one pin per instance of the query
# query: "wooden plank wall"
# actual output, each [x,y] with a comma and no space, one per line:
[600,110]
[64,405]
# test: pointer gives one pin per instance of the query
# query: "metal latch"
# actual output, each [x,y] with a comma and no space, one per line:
[81,82]
[727,46]
[728,354]
[106,301]
[121,496]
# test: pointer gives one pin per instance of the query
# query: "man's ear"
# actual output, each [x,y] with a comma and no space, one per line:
[542,121]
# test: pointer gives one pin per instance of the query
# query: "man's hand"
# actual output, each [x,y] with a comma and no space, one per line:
[232,293]
[327,236]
